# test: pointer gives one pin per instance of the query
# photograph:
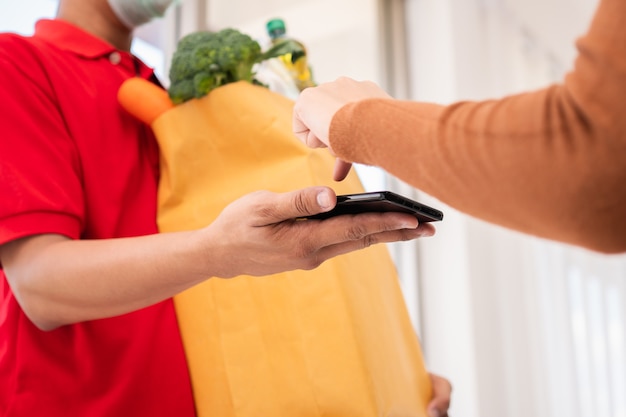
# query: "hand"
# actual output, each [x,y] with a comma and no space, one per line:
[259,234]
[440,403]
[316,107]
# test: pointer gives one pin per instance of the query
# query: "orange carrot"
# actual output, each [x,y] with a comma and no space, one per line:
[143,99]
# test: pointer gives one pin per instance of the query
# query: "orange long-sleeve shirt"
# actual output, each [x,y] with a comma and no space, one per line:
[551,163]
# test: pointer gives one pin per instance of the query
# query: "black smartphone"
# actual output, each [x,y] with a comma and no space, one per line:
[381,201]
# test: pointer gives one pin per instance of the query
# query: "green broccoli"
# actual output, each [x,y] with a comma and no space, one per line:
[206,60]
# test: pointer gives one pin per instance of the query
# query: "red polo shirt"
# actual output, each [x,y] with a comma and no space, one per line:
[73,163]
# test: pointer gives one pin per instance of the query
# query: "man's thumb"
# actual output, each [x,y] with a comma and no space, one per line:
[312,200]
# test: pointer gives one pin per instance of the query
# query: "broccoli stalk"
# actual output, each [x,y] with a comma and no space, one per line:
[204,61]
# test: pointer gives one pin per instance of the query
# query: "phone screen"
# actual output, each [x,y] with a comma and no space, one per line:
[381,201]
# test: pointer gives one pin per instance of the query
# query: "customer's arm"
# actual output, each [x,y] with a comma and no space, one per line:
[547,162]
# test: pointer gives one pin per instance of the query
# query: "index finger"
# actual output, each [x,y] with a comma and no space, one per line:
[342,169]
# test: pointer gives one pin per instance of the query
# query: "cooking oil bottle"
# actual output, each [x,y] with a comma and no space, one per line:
[295,60]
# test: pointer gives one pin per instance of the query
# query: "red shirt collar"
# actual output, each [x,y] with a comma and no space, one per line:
[69,37]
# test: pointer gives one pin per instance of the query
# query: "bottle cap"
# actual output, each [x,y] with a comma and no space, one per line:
[276,27]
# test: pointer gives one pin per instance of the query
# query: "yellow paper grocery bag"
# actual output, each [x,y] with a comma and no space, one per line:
[335,341]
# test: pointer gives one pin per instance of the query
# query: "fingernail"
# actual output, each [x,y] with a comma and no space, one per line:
[426,231]
[405,225]
[323,200]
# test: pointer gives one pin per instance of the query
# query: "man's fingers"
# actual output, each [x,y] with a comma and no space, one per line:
[440,403]
[347,246]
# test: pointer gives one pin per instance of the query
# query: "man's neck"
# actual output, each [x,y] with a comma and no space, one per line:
[98,19]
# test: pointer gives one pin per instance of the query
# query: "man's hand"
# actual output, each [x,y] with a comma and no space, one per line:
[440,403]
[259,234]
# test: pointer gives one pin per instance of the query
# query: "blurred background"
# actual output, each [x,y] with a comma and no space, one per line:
[521,326]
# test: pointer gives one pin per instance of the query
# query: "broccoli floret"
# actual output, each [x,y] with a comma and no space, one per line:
[206,60]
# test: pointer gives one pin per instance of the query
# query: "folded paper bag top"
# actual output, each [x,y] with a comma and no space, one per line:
[336,341]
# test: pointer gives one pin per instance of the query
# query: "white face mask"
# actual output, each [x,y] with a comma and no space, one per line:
[135,13]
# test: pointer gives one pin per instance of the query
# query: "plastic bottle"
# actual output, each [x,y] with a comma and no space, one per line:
[295,62]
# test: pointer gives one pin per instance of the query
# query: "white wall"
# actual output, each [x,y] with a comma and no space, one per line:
[498,314]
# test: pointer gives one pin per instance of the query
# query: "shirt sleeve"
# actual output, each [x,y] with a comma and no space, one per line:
[39,169]
[550,162]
